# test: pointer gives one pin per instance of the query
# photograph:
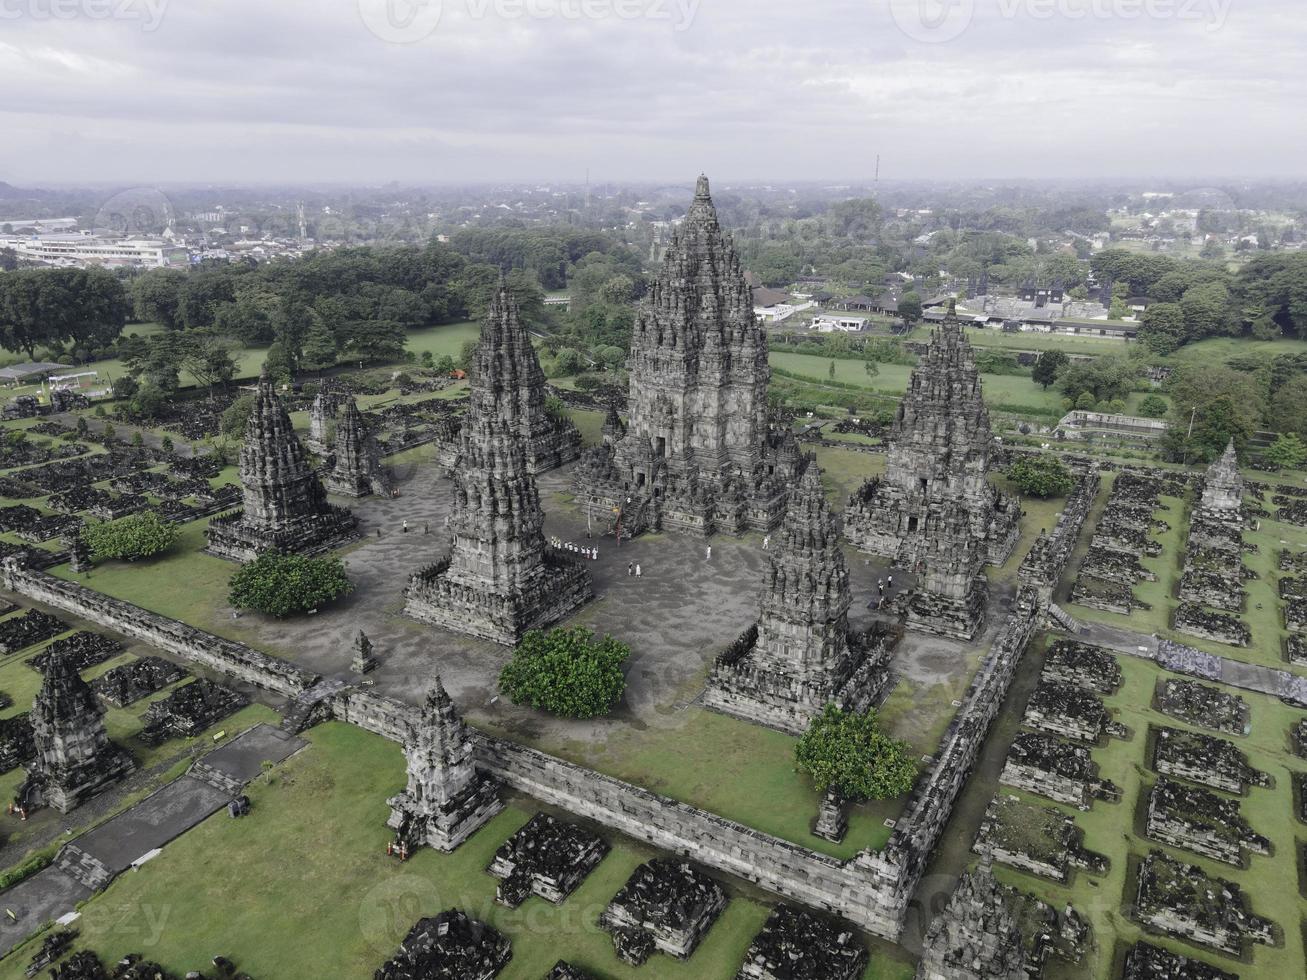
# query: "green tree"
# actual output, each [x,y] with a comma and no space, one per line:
[1042,476]
[831,372]
[130,538]
[1086,402]
[283,585]
[910,309]
[1163,328]
[566,672]
[1288,411]
[847,751]
[237,415]
[1288,452]
[1048,367]
[1153,407]
[320,347]
[278,364]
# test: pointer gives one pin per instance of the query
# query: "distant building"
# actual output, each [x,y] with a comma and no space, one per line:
[847,322]
[83,251]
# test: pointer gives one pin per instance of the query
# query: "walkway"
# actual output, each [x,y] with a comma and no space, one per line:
[87,864]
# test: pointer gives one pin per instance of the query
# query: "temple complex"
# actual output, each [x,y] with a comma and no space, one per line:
[447,799]
[285,505]
[939,454]
[507,381]
[801,654]
[74,758]
[499,579]
[696,454]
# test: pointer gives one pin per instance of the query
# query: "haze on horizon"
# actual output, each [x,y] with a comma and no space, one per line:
[372,91]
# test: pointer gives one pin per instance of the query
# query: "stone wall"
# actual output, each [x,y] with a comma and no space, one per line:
[1048,558]
[194,645]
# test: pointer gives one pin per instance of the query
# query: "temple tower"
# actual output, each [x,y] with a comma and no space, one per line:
[447,799]
[322,413]
[499,580]
[977,936]
[801,654]
[285,505]
[695,455]
[951,586]
[74,757]
[939,450]
[357,469]
[1223,486]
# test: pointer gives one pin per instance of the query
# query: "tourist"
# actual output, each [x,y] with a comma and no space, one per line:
[708,554]
[426,527]
[637,569]
[766,541]
[630,568]
[406,527]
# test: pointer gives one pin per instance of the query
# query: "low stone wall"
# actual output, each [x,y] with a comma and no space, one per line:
[1047,561]
[226,656]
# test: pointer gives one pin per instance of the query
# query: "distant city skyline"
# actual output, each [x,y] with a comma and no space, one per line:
[540,90]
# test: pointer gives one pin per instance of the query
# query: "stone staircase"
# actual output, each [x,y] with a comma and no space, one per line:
[216,778]
[1064,619]
[309,707]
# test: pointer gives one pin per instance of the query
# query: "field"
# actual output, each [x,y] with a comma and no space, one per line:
[1114,830]
[310,863]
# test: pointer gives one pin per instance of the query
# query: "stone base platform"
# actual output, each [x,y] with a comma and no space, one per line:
[961,619]
[231,538]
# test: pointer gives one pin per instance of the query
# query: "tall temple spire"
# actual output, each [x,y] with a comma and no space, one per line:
[285,505]
[1223,486]
[696,453]
[499,580]
[801,654]
[357,470]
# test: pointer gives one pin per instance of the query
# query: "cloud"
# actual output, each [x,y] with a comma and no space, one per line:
[245,90]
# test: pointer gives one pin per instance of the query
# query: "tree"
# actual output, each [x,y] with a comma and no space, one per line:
[1153,407]
[1288,452]
[847,751]
[1049,366]
[1042,476]
[320,347]
[831,372]
[566,672]
[1086,402]
[1288,411]
[1104,377]
[871,368]
[910,309]
[156,297]
[130,538]
[1163,328]
[209,358]
[237,415]
[280,585]
[1207,311]
[277,363]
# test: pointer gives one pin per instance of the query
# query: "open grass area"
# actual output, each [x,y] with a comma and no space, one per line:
[1218,350]
[1031,341]
[302,889]
[448,339]
[1114,829]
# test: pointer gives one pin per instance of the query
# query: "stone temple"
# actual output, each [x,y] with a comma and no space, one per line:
[696,455]
[801,654]
[499,579]
[1223,486]
[356,469]
[510,370]
[447,799]
[74,757]
[934,511]
[285,506]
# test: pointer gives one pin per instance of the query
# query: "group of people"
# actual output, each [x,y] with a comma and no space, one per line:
[883,585]
[591,553]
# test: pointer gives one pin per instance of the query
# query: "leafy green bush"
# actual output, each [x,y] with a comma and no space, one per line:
[848,751]
[130,538]
[282,585]
[1042,476]
[566,672]
[1153,407]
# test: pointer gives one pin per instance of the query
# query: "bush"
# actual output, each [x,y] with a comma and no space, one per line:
[848,752]
[130,538]
[1287,452]
[282,585]
[1042,476]
[566,672]
[1153,407]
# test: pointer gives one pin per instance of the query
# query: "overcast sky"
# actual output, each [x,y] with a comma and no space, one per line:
[378,90]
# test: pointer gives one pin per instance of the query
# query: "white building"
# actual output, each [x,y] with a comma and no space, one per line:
[846,322]
[83,250]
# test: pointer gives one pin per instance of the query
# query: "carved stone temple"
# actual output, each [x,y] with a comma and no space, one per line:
[510,370]
[322,415]
[356,470]
[285,506]
[1223,486]
[74,758]
[801,654]
[499,579]
[447,799]
[934,511]
[977,936]
[696,455]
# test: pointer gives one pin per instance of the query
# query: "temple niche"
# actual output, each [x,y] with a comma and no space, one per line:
[285,504]
[696,455]
[935,498]
[801,654]
[509,372]
[447,799]
[74,758]
[499,579]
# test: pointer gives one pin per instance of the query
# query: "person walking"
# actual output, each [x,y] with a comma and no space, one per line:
[708,554]
[637,569]
[406,527]
[630,568]
[766,541]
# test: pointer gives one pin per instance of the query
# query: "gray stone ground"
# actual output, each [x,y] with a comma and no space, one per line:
[157,819]
[677,615]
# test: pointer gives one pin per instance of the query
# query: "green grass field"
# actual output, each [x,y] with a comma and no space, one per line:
[1114,830]
[302,889]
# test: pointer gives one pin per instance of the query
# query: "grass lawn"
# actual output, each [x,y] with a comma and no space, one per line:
[1113,829]
[1032,341]
[1218,350]
[448,339]
[302,887]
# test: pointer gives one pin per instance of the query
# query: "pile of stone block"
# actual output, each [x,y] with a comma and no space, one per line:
[1056,769]
[1040,840]
[1204,706]
[665,905]
[547,857]
[449,946]
[1204,759]
[1181,900]
[1200,821]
